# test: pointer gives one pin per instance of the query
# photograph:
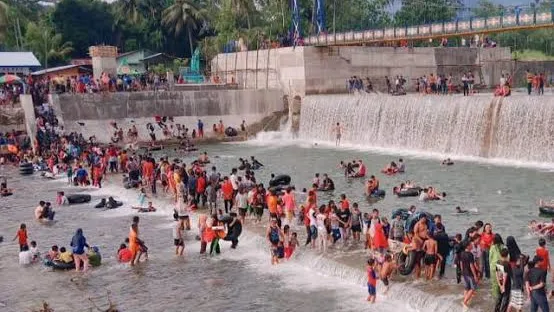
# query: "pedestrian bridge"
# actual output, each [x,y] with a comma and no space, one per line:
[534,19]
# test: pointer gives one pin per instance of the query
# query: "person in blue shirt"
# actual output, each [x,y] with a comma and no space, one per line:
[81,175]
[200,128]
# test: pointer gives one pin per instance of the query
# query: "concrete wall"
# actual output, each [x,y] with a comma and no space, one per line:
[316,70]
[281,68]
[97,111]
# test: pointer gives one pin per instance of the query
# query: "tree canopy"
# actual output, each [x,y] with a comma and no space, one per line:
[178,27]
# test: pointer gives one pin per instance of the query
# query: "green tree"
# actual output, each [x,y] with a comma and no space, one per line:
[46,44]
[356,14]
[130,9]
[84,23]
[3,19]
[487,8]
[183,15]
[416,12]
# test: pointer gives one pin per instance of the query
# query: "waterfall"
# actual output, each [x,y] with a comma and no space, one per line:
[518,128]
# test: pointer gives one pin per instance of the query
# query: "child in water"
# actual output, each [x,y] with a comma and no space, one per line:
[371,281]
[386,271]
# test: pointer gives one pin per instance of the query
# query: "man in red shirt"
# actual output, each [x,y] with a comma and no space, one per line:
[201,189]
[227,190]
[544,255]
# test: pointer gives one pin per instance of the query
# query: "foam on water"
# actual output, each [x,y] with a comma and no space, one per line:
[306,271]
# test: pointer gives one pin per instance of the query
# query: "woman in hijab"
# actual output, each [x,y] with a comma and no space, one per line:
[79,242]
[494,256]
[513,250]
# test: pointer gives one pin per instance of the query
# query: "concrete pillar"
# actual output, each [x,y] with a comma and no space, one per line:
[103,60]
[30,119]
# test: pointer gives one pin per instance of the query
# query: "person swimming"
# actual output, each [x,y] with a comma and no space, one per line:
[255,162]
[447,162]
[460,210]
[361,169]
[203,158]
[328,184]
[390,169]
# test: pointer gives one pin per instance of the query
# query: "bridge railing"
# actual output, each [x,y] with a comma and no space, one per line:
[518,20]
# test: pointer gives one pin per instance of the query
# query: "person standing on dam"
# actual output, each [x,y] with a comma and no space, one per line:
[200,128]
[338,133]
[529,78]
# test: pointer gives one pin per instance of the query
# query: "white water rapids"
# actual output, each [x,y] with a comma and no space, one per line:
[517,128]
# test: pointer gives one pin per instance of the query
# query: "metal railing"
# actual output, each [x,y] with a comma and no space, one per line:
[518,20]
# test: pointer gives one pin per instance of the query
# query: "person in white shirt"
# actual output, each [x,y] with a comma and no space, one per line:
[321,230]
[34,251]
[39,210]
[241,202]
[234,182]
[178,240]
[25,256]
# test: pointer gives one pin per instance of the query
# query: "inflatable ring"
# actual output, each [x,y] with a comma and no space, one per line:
[78,198]
[25,165]
[546,211]
[231,132]
[6,194]
[155,148]
[26,171]
[378,194]
[59,265]
[406,261]
[282,179]
[411,192]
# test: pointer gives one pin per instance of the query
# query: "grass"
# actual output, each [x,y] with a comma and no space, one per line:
[531,55]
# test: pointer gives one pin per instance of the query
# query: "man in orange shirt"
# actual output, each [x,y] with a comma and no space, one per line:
[227,190]
[272,206]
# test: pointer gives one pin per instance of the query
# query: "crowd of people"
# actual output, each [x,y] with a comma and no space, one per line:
[225,203]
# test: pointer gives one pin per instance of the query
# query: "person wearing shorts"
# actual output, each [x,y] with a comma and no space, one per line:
[371,281]
[469,273]
[178,240]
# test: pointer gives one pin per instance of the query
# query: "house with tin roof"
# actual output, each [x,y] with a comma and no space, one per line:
[22,63]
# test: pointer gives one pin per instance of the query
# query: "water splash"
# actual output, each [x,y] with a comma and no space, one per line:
[515,130]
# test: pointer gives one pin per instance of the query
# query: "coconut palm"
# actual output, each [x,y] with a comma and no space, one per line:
[3,18]
[46,44]
[243,7]
[130,9]
[183,15]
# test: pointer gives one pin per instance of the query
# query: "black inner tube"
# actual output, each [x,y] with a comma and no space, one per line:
[78,198]
[282,179]
[406,262]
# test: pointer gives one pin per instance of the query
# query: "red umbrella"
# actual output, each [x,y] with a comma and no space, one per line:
[10,79]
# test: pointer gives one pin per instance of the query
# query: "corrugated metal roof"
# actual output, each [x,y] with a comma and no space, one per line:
[53,69]
[18,59]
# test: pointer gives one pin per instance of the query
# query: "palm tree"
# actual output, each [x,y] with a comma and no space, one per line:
[243,7]
[46,44]
[3,18]
[130,9]
[183,15]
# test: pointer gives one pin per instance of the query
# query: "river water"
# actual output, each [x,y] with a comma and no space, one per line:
[243,279]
